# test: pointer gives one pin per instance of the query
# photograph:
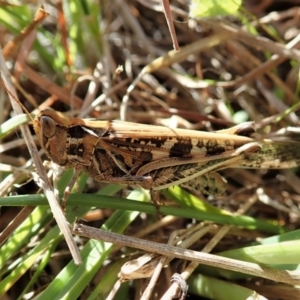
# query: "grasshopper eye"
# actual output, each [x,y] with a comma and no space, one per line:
[48,126]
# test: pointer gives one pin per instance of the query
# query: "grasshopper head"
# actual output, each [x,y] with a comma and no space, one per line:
[51,128]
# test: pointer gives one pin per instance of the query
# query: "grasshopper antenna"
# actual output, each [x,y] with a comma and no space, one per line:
[15,98]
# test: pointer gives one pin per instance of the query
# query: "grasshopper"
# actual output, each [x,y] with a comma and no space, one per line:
[156,157]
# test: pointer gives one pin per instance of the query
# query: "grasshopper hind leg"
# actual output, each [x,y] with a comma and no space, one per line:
[211,183]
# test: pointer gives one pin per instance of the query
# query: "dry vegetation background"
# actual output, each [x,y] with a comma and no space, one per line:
[229,70]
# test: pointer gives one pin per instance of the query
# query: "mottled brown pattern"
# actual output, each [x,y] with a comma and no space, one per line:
[155,157]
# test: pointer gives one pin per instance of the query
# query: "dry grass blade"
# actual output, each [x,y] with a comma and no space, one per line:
[14,44]
[220,234]
[257,41]
[15,223]
[167,11]
[170,58]
[88,60]
[289,277]
[43,179]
